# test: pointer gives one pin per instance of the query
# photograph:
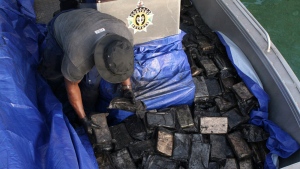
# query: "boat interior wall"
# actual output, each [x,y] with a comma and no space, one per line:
[232,19]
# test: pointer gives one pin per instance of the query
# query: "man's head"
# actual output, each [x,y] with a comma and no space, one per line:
[114,58]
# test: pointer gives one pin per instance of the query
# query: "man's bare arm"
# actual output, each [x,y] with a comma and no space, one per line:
[127,83]
[74,96]
[127,90]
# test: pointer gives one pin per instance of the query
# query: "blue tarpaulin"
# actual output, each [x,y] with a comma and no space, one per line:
[279,142]
[34,133]
[162,76]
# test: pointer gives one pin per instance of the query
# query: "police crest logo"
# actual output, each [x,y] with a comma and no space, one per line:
[140,18]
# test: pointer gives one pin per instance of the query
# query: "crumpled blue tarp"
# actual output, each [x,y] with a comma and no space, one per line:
[162,77]
[34,133]
[279,143]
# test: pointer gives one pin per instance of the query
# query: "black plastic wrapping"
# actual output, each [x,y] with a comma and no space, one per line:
[182,146]
[197,138]
[235,118]
[229,151]
[225,66]
[138,149]
[184,19]
[213,87]
[252,133]
[121,159]
[227,83]
[210,68]
[226,102]
[200,24]
[246,106]
[194,52]
[259,153]
[190,29]
[165,118]
[205,110]
[187,43]
[194,14]
[103,138]
[186,3]
[245,164]
[205,47]
[209,112]
[199,157]
[104,160]
[135,127]
[126,104]
[185,119]
[205,105]
[213,165]
[218,148]
[201,91]
[120,135]
[123,104]
[231,163]
[158,162]
[200,112]
[239,145]
[242,91]
[206,31]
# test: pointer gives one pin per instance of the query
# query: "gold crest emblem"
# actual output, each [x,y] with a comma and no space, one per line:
[140,18]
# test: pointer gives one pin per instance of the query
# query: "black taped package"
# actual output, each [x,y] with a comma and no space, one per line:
[135,127]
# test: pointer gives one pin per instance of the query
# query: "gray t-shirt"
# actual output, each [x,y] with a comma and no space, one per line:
[77,32]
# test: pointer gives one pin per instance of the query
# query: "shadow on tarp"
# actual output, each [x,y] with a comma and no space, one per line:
[33,130]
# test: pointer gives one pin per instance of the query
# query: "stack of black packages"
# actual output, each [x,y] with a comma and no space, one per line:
[213,133]
[184,137]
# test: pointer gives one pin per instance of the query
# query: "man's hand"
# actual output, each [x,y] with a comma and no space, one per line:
[125,104]
[89,125]
[128,93]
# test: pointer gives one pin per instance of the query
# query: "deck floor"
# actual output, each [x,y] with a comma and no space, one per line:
[44,10]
